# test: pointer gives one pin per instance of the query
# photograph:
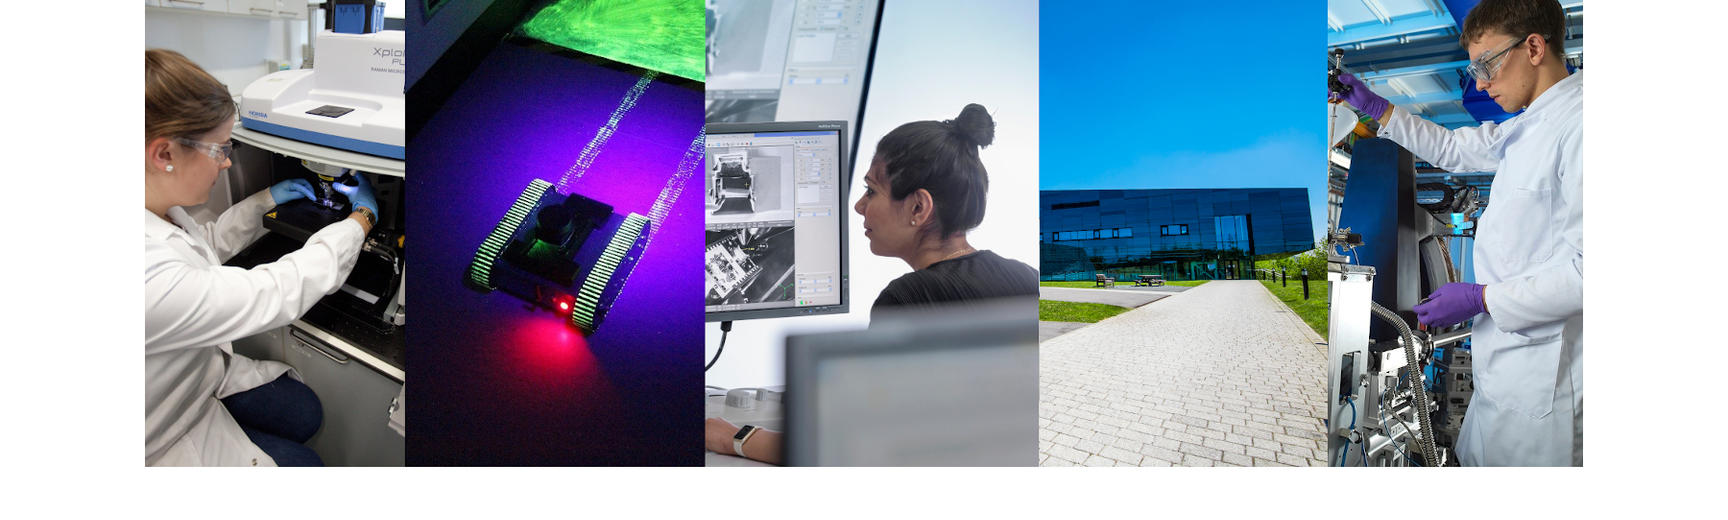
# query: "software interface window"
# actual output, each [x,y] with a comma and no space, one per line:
[788,60]
[773,220]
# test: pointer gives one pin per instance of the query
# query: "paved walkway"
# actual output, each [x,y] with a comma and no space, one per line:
[1220,375]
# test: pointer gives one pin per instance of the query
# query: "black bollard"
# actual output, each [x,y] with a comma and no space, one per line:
[1304,284]
[1284,277]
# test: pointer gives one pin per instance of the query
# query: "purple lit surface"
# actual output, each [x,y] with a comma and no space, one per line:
[497,382]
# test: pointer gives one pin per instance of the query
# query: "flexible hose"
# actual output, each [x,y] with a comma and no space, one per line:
[1345,458]
[1429,456]
[1446,256]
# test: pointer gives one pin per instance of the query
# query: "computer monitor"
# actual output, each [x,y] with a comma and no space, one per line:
[954,386]
[790,60]
[776,209]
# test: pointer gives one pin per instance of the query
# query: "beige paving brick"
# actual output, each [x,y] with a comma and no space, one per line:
[1230,378]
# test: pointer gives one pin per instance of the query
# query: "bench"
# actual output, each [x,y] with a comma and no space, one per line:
[1103,280]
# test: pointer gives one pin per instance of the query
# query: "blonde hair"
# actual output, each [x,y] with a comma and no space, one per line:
[180,98]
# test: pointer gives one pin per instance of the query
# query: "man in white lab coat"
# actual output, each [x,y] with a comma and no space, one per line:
[194,306]
[1528,336]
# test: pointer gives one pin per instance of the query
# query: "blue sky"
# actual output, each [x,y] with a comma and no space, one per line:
[1184,95]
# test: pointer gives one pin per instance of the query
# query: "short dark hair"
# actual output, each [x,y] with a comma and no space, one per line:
[942,158]
[1517,18]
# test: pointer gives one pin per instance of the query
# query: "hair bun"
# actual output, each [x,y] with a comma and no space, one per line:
[975,125]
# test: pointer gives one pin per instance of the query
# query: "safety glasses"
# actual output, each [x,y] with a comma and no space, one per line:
[218,151]
[1484,68]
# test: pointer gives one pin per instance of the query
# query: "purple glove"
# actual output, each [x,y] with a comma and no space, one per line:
[1451,305]
[1361,97]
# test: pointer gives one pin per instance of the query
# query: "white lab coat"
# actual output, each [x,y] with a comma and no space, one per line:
[194,306]
[1529,347]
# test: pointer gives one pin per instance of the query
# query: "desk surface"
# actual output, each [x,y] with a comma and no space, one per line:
[767,415]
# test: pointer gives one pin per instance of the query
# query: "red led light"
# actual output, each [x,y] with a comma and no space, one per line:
[564,303]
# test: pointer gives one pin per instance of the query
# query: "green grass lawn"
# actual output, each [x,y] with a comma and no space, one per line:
[1128,283]
[1312,310]
[1051,310]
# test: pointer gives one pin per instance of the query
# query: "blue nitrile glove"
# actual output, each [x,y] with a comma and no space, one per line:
[1452,304]
[292,189]
[360,194]
[1361,97]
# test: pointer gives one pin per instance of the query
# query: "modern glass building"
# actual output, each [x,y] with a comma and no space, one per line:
[1179,234]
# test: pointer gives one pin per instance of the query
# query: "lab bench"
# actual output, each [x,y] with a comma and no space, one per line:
[350,352]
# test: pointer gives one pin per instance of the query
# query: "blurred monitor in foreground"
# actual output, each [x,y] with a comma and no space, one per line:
[950,387]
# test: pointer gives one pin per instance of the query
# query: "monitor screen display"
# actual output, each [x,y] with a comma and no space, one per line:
[790,60]
[776,209]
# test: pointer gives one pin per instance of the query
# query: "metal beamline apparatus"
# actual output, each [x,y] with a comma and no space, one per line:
[1397,392]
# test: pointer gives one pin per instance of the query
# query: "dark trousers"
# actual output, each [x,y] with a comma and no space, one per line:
[280,417]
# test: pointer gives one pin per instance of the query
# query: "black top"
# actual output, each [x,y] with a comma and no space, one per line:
[978,276]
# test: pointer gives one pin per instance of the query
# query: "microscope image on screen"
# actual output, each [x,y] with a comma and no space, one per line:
[732,183]
[749,184]
[749,265]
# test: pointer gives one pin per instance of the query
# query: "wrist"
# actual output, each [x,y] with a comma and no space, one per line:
[1482,295]
[725,444]
[361,218]
[741,440]
[368,214]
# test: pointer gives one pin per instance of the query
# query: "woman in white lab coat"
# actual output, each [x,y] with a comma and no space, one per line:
[204,404]
[1528,302]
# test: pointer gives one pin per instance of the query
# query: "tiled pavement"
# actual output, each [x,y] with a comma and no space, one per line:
[1221,375]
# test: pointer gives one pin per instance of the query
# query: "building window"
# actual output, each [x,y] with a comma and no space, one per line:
[1173,230]
[1071,205]
[1090,234]
[1233,233]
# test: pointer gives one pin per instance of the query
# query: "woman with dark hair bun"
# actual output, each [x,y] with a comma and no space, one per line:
[925,189]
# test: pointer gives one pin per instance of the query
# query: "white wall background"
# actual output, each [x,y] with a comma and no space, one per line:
[234,49]
[932,58]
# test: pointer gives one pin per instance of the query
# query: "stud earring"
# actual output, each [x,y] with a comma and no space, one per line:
[170,167]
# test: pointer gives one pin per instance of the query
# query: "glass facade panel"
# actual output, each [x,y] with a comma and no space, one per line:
[1180,234]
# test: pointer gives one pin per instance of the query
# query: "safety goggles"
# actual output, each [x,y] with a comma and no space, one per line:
[1484,68]
[218,151]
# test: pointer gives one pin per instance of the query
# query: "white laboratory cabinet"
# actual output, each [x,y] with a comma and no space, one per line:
[220,6]
[253,7]
[357,396]
[295,9]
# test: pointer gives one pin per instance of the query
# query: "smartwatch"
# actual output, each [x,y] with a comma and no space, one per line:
[742,437]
